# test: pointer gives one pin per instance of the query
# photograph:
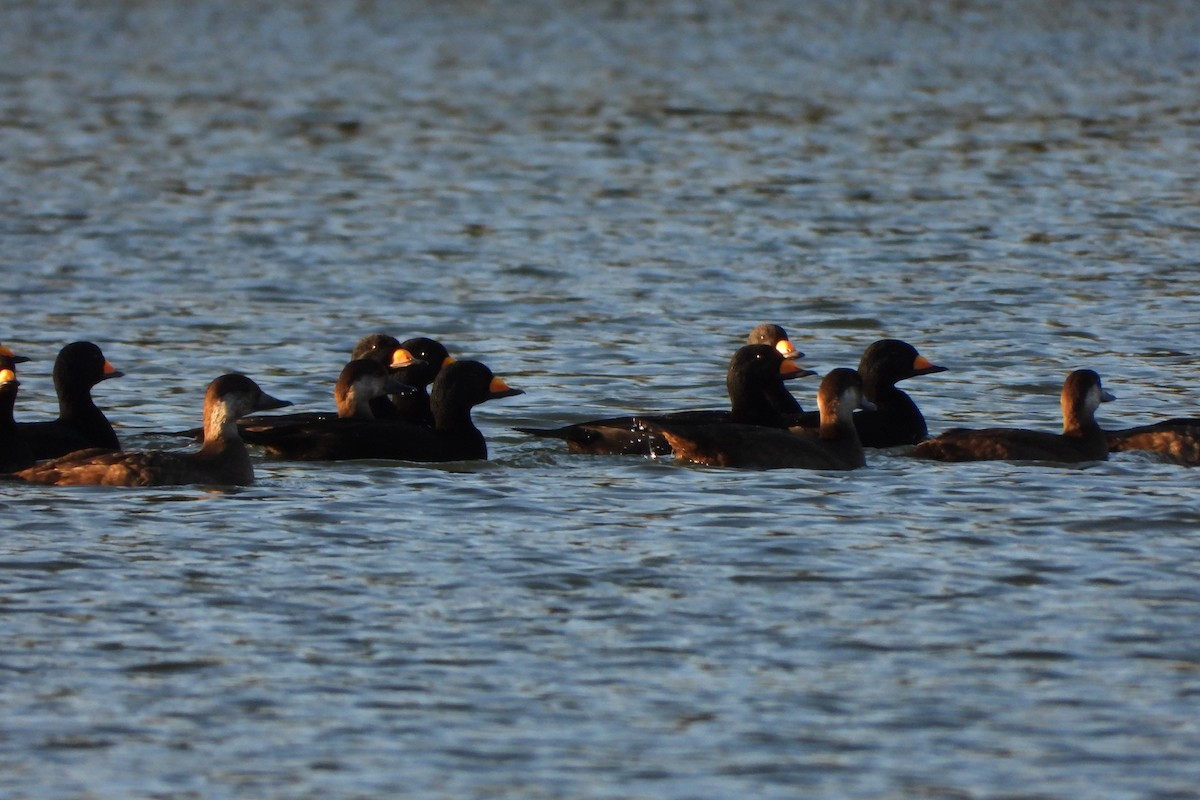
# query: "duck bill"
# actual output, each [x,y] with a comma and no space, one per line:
[787,349]
[266,402]
[110,371]
[867,405]
[16,359]
[498,388]
[1107,396]
[790,369]
[402,358]
[923,366]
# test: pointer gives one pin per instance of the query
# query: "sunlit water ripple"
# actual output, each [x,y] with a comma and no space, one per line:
[599,202]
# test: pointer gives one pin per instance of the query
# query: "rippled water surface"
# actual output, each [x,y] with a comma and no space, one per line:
[599,199]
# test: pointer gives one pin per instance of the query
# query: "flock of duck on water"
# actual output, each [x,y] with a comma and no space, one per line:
[411,401]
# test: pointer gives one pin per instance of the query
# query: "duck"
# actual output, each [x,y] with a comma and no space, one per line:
[429,356]
[1081,440]
[15,452]
[754,382]
[80,424]
[832,446]
[775,336]
[896,419]
[359,384]
[355,381]
[223,460]
[458,388]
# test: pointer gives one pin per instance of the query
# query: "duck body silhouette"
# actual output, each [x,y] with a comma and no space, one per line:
[834,445]
[896,420]
[459,387]
[223,460]
[753,381]
[80,424]
[1081,439]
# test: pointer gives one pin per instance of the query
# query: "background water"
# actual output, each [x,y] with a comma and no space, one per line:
[599,199]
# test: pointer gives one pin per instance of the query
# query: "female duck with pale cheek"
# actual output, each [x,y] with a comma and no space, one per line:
[1081,439]
[222,461]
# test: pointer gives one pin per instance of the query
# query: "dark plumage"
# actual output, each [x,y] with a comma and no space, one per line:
[753,381]
[222,460]
[15,452]
[1081,439]
[896,419]
[775,336]
[834,445]
[428,357]
[80,424]
[359,384]
[459,387]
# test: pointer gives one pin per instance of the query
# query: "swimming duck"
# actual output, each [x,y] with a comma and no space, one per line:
[222,460]
[80,424]
[356,381]
[15,452]
[358,385]
[1081,439]
[834,445]
[429,357]
[754,382]
[458,388]
[896,420]
[775,336]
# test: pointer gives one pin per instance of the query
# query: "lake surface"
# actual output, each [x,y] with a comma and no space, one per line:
[599,200]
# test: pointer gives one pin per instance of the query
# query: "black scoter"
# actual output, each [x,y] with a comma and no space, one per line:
[458,388]
[754,382]
[80,424]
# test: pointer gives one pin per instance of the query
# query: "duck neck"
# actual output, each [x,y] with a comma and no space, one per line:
[1079,424]
[352,406]
[220,426]
[886,394]
[750,405]
[837,421]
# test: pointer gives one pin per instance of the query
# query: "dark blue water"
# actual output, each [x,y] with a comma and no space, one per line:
[599,201]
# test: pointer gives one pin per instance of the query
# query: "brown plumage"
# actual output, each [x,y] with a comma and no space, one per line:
[1177,440]
[222,460]
[834,446]
[1081,439]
